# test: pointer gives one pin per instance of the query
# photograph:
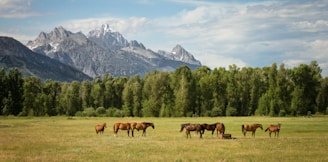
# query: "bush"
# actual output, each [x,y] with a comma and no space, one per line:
[231,111]
[282,113]
[216,111]
[114,112]
[101,111]
[89,112]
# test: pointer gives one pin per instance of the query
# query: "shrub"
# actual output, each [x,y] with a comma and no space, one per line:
[231,111]
[282,113]
[216,111]
[89,112]
[101,111]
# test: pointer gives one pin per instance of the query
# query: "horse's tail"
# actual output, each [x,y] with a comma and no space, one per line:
[242,128]
[267,129]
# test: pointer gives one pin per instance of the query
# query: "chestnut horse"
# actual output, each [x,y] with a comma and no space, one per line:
[220,128]
[252,128]
[100,128]
[209,127]
[275,129]
[122,126]
[141,126]
[194,127]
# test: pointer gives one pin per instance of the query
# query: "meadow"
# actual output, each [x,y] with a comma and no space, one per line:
[75,139]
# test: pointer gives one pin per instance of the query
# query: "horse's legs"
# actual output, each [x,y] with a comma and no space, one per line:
[187,132]
[115,132]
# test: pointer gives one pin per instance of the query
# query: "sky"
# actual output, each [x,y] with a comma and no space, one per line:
[219,33]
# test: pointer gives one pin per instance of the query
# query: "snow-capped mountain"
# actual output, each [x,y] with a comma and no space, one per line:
[104,51]
[106,38]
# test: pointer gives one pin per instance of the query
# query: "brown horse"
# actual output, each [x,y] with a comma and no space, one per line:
[209,127]
[141,126]
[252,128]
[100,128]
[220,128]
[194,127]
[122,126]
[275,129]
[183,126]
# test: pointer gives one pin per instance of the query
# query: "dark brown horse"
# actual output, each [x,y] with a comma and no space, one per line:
[141,126]
[209,127]
[100,128]
[122,126]
[275,129]
[194,127]
[220,128]
[251,128]
[183,126]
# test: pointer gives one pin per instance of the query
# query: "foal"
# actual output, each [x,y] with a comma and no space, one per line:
[275,129]
[100,128]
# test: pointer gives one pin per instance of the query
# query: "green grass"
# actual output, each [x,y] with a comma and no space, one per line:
[74,139]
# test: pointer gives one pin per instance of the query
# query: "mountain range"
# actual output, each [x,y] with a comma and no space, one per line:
[14,54]
[103,51]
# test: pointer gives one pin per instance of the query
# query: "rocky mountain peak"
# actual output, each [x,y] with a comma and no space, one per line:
[106,38]
[179,53]
[135,43]
[103,51]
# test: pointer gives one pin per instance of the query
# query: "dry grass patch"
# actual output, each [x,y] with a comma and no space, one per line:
[75,139]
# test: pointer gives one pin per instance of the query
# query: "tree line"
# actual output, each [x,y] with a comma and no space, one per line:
[235,91]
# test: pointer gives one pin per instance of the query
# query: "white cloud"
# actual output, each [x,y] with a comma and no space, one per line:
[18,36]
[16,9]
[125,26]
[222,34]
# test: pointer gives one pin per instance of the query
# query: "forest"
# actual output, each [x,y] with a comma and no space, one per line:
[235,91]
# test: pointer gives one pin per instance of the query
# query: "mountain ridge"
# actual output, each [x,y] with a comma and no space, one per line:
[103,51]
[14,54]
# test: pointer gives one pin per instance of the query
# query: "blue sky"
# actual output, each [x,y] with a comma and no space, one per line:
[218,33]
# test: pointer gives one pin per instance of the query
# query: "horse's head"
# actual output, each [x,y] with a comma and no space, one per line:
[261,126]
[104,125]
[152,125]
[279,125]
[149,124]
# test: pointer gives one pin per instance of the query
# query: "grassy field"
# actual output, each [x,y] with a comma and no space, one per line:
[74,139]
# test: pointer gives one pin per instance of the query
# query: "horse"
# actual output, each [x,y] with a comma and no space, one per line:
[220,128]
[209,127]
[100,128]
[141,126]
[251,127]
[275,129]
[183,126]
[193,127]
[122,126]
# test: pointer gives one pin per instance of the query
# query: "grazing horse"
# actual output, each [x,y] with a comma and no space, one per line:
[141,126]
[122,126]
[209,127]
[100,128]
[251,127]
[193,127]
[183,126]
[220,128]
[275,129]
